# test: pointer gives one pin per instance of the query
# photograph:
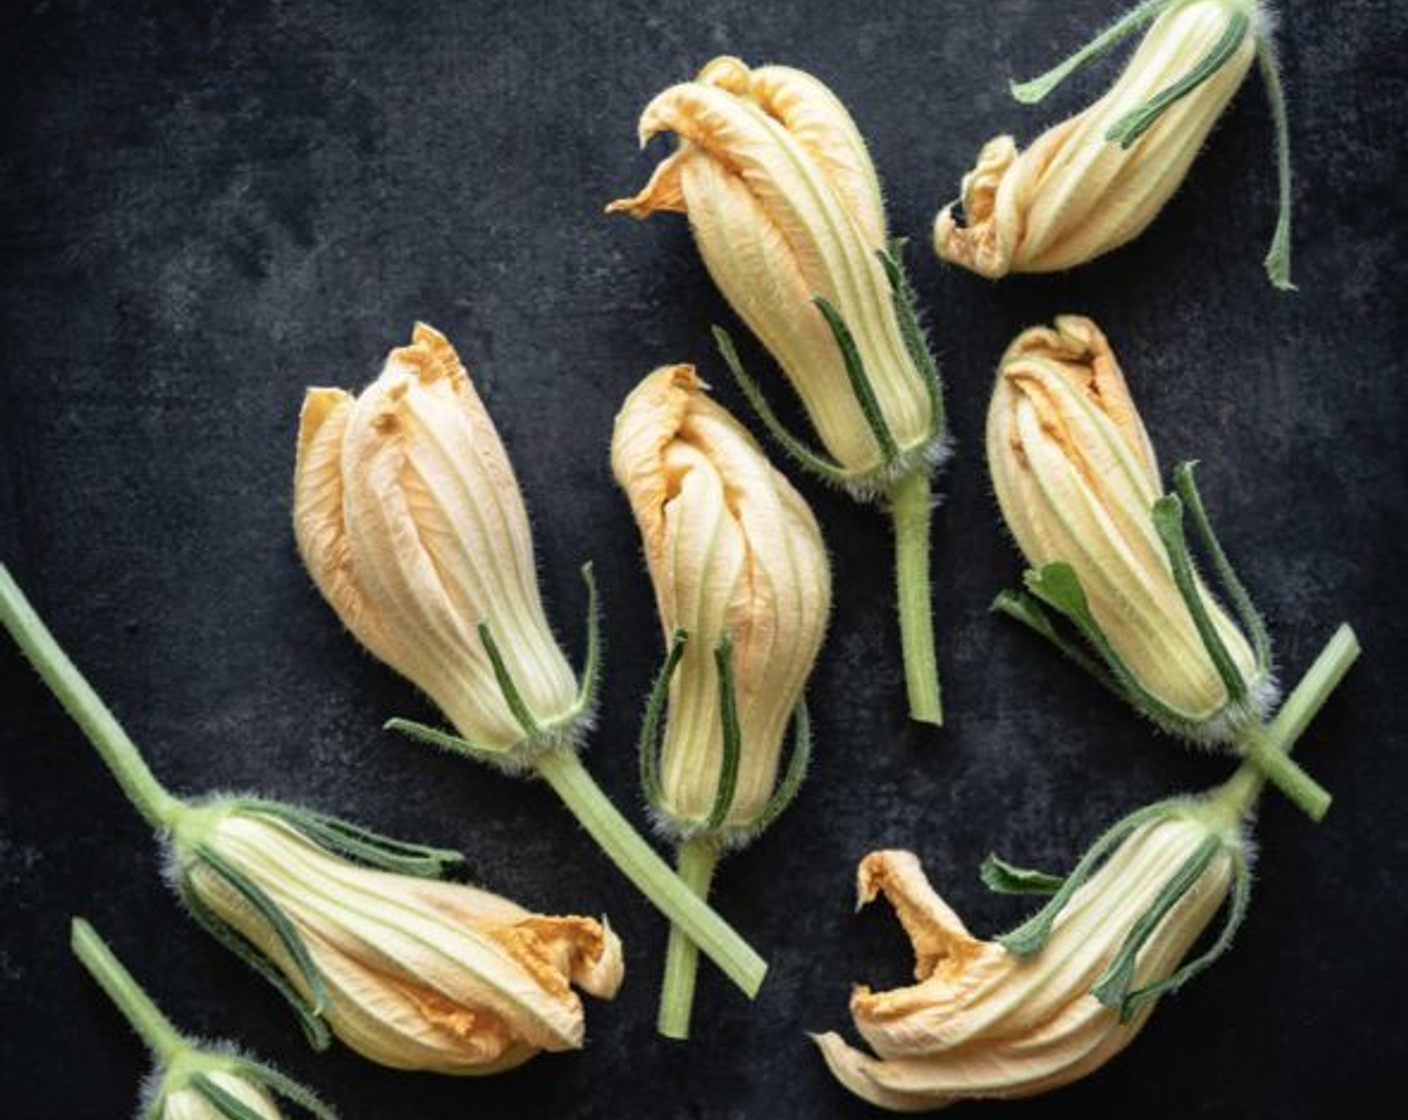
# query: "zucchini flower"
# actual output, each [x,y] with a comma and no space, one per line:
[409,517]
[191,1081]
[1094,182]
[1063,993]
[743,590]
[1080,489]
[786,210]
[412,974]
[350,926]
[410,520]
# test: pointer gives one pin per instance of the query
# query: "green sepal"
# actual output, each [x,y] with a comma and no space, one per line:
[1236,913]
[1002,877]
[1112,988]
[284,1086]
[591,663]
[795,773]
[648,746]
[1033,91]
[1028,938]
[1027,609]
[225,1103]
[805,457]
[508,687]
[315,1030]
[283,929]
[1058,586]
[732,736]
[861,387]
[907,315]
[1247,613]
[1278,257]
[1168,523]
[493,756]
[1130,127]
[358,843]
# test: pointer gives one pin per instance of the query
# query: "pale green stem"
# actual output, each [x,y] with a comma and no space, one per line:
[154,1028]
[1268,757]
[639,862]
[910,509]
[695,861]
[80,701]
[1240,791]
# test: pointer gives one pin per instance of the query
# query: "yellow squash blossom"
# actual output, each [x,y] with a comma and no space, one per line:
[409,517]
[412,973]
[785,207]
[410,520]
[1059,996]
[743,591]
[352,927]
[1079,487]
[1097,180]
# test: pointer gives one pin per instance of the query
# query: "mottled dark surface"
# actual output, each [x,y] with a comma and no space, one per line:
[208,206]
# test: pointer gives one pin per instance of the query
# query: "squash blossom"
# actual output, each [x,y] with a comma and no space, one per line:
[743,591]
[191,1080]
[410,520]
[1063,993]
[353,928]
[1095,181]
[413,974]
[1080,489]
[785,207]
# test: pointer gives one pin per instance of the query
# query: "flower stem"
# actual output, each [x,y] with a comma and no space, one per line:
[80,701]
[695,860]
[1240,791]
[155,1029]
[1270,760]
[638,861]
[910,510]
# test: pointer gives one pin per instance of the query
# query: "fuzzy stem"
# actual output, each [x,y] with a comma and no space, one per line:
[910,510]
[154,1028]
[695,860]
[80,701]
[638,861]
[1240,791]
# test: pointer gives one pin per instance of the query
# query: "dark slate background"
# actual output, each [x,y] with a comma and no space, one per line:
[208,206]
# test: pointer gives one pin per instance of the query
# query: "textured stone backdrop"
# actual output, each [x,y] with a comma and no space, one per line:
[208,206]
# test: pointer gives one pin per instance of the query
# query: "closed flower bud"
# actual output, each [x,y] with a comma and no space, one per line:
[785,207]
[736,558]
[1077,480]
[1094,182]
[998,1019]
[412,973]
[409,517]
[743,590]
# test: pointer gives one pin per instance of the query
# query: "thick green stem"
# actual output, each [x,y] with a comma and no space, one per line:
[1261,751]
[155,1029]
[910,509]
[1240,791]
[80,701]
[638,861]
[695,861]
